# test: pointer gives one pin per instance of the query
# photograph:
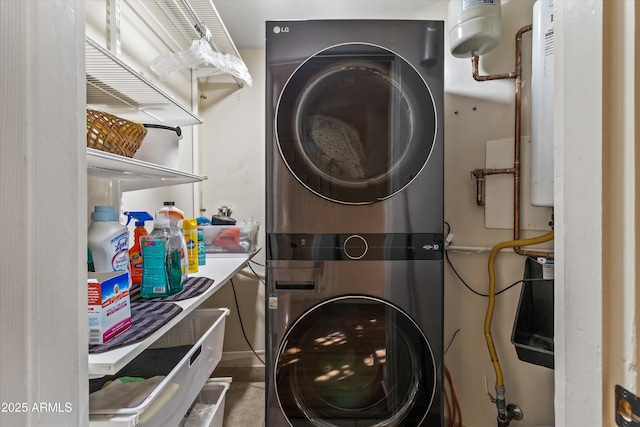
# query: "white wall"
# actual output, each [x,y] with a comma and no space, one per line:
[233,158]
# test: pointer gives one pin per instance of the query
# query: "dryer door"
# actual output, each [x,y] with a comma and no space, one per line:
[355,360]
[355,123]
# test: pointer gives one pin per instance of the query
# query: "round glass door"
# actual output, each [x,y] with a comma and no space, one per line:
[355,123]
[355,361]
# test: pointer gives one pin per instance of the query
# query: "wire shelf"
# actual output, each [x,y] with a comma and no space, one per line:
[179,22]
[115,87]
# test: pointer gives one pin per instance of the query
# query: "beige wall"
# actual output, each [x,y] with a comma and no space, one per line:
[477,112]
[233,158]
[620,188]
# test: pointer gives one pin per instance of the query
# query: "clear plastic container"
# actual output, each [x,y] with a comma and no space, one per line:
[240,238]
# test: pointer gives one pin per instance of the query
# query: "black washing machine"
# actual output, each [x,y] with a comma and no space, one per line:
[354,223]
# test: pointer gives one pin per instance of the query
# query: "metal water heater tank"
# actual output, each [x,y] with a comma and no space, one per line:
[542,93]
[475,26]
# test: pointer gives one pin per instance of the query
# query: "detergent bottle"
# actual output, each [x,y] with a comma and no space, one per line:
[175,216]
[135,252]
[108,240]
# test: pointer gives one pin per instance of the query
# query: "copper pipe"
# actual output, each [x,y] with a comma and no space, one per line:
[517,137]
[517,150]
[480,191]
[476,76]
[481,173]
[498,171]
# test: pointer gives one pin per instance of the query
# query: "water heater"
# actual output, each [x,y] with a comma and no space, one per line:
[542,104]
[475,26]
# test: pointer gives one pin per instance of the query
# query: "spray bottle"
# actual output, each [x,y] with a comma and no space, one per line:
[135,252]
[175,216]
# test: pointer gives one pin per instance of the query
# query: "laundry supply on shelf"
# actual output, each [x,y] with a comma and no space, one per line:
[162,269]
[109,306]
[202,249]
[240,238]
[108,240]
[190,231]
[170,211]
[135,252]
[223,217]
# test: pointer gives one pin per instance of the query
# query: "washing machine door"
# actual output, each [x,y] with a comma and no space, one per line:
[355,360]
[355,123]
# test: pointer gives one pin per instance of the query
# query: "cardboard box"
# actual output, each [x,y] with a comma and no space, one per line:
[109,305]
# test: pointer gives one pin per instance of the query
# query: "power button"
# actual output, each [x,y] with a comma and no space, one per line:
[355,247]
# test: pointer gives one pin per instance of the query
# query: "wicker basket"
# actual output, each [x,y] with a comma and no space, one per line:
[115,135]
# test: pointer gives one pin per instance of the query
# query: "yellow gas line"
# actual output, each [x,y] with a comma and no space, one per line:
[492,295]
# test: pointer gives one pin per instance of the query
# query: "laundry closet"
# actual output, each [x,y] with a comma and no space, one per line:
[45,171]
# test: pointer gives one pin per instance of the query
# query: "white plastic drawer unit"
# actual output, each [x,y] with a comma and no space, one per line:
[180,363]
[208,408]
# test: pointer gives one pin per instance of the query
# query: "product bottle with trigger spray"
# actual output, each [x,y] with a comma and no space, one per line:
[135,252]
[176,216]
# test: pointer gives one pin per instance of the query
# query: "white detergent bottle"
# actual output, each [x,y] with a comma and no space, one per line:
[108,240]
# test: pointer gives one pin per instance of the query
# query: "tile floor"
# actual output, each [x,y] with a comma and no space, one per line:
[244,402]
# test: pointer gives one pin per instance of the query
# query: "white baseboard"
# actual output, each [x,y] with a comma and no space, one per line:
[241,359]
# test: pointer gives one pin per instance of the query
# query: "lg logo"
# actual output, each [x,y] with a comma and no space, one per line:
[277,29]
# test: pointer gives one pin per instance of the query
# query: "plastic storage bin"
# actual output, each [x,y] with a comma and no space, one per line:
[239,238]
[201,335]
[532,333]
[208,408]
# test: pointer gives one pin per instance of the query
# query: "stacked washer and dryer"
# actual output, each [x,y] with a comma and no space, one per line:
[354,223]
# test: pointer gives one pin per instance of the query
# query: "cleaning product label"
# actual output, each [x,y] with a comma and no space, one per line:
[468,4]
[202,250]
[120,244]
[154,278]
[135,258]
[109,306]
[192,250]
[190,230]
